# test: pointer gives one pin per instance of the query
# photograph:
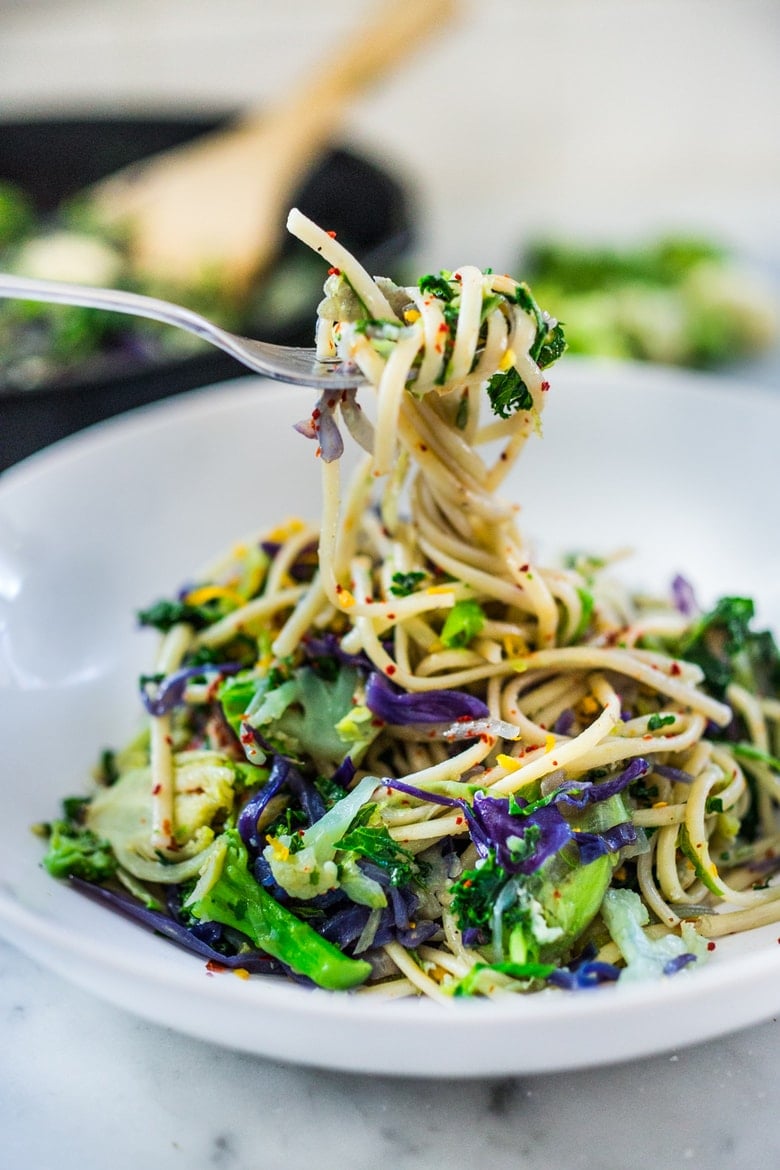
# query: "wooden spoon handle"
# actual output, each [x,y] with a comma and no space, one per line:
[373,49]
[217,204]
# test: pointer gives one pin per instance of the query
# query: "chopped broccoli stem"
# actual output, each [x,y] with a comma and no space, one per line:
[237,900]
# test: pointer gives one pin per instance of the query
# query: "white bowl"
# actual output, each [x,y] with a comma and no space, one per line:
[679,466]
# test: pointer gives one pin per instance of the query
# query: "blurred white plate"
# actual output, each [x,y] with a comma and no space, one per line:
[681,467]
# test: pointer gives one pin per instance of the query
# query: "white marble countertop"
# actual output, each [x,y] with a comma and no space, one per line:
[567,116]
[84,1086]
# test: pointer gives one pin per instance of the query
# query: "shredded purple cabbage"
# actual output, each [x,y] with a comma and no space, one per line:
[322,426]
[401,708]
[523,841]
[564,723]
[521,844]
[581,793]
[344,774]
[170,692]
[258,799]
[678,962]
[256,962]
[676,775]
[308,797]
[591,973]
[593,845]
[684,597]
[346,925]
[328,645]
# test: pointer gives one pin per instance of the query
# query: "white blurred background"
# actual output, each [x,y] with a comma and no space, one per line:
[606,118]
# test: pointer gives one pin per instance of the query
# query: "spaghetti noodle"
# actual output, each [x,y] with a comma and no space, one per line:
[393,752]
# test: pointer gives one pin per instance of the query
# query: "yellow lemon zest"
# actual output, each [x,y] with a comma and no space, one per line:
[588,705]
[279,849]
[514,645]
[206,593]
[284,531]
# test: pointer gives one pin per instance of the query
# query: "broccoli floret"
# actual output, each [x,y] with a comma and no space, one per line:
[76,850]
[235,899]
[728,650]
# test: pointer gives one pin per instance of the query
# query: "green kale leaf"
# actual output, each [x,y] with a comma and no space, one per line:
[508,393]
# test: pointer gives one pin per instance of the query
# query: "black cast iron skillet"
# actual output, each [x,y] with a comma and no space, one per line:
[52,159]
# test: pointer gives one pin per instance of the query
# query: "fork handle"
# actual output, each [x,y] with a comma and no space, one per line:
[60,292]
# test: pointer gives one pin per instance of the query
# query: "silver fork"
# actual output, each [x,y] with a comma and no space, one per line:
[283,363]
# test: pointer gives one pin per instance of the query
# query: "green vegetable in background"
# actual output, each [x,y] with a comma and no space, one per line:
[17,213]
[723,644]
[681,300]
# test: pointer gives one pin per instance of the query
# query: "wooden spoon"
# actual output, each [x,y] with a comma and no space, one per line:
[216,207]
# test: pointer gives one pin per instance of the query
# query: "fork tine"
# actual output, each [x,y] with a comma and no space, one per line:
[297,365]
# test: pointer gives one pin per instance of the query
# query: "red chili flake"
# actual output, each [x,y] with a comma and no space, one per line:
[556,893]
[458,820]
[444,328]
[166,827]
[457,276]
[315,414]
[331,403]
[468,884]
[213,967]
[390,669]
[318,452]
[648,736]
[157,790]
[331,234]
[423,447]
[169,740]
[334,272]
[711,945]
[391,617]
[524,568]
[545,385]
[675,668]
